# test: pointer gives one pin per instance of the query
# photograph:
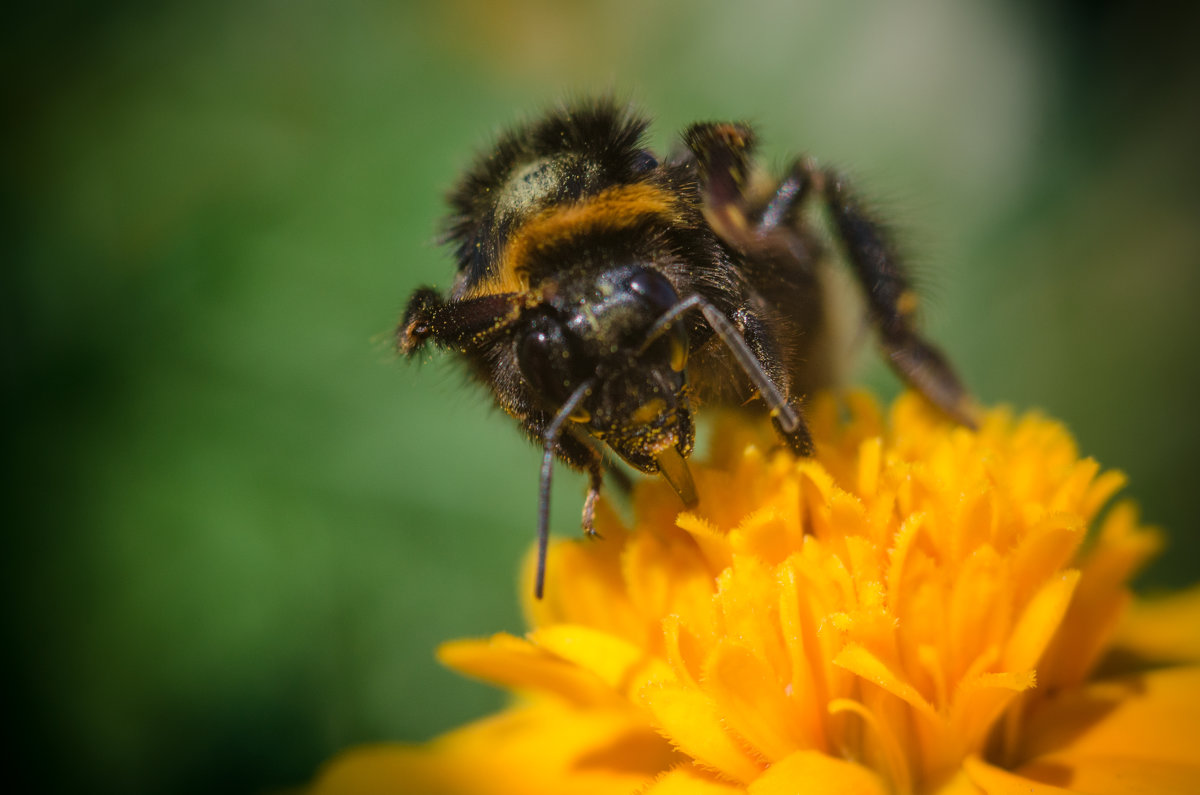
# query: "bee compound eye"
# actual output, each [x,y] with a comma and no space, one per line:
[546,360]
[653,288]
[644,161]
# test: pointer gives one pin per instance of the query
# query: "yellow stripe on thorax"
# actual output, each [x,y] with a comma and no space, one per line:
[621,206]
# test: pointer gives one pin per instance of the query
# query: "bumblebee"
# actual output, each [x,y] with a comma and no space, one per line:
[603,294]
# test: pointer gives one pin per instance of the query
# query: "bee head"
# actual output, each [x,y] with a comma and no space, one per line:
[614,329]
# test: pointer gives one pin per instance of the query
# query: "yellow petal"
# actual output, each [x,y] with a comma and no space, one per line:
[542,748]
[812,771]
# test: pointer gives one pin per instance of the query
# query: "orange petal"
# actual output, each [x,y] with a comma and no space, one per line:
[764,534]
[812,771]
[748,598]
[689,720]
[1150,716]
[690,780]
[997,781]
[1045,549]
[1101,490]
[980,700]
[542,748]
[1166,629]
[1106,775]
[870,462]
[664,576]
[618,663]
[1038,623]
[752,701]
[584,584]
[516,663]
[712,542]
[888,747]
[858,660]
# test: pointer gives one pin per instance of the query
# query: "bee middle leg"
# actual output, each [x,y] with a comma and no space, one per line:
[762,344]
[579,454]
[723,153]
[750,344]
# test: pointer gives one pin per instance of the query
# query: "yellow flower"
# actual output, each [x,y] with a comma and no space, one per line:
[914,610]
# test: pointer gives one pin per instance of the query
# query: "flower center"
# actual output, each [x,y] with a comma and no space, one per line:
[900,601]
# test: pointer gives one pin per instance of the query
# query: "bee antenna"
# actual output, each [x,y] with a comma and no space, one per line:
[549,439]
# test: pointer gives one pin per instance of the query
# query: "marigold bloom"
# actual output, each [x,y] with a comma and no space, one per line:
[914,610]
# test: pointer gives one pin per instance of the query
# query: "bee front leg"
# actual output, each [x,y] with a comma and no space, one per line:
[575,451]
[595,481]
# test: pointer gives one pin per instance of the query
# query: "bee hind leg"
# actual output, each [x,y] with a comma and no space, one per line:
[891,301]
[771,230]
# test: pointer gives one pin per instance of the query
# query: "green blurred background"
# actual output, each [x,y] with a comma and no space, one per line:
[239,526]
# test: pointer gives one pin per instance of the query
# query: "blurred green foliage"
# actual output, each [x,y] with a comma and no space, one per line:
[239,527]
